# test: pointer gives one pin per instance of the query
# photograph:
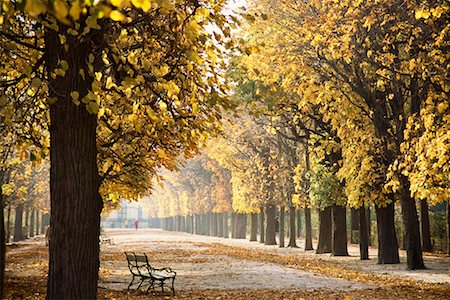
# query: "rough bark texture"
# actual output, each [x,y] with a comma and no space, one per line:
[448,228]
[253,227]
[363,235]
[425,226]
[325,231]
[387,237]
[261,226]
[308,230]
[226,233]
[281,237]
[74,182]
[270,228]
[18,224]
[2,240]
[292,230]
[339,231]
[354,225]
[414,259]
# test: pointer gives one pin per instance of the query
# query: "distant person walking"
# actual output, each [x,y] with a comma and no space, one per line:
[136,224]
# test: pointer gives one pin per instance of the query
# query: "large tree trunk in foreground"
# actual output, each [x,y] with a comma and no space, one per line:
[339,231]
[425,226]
[18,225]
[448,228]
[354,225]
[308,230]
[292,229]
[74,181]
[325,231]
[253,227]
[261,226]
[270,228]
[387,237]
[2,241]
[412,229]
[363,235]
[281,237]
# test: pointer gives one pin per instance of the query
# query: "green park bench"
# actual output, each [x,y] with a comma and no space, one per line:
[141,270]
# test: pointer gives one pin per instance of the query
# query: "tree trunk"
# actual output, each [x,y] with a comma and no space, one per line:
[363,235]
[8,225]
[299,222]
[339,231]
[74,181]
[208,224]
[448,227]
[325,231]
[233,225]
[270,228]
[292,232]
[196,224]
[241,226]
[214,224]
[2,240]
[369,224]
[27,223]
[308,230]
[37,222]
[425,226]
[354,225]
[18,225]
[253,227]
[261,225]
[45,222]
[225,226]
[387,237]
[281,237]
[32,223]
[220,224]
[412,229]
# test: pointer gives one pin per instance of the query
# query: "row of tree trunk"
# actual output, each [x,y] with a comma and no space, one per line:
[332,235]
[28,222]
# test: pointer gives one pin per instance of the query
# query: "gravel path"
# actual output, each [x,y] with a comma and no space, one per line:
[195,269]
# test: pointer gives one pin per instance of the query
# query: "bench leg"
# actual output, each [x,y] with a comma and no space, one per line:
[173,287]
[131,283]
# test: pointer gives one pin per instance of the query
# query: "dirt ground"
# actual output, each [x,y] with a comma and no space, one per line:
[217,268]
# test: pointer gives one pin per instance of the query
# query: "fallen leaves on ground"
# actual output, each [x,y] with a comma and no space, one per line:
[26,276]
